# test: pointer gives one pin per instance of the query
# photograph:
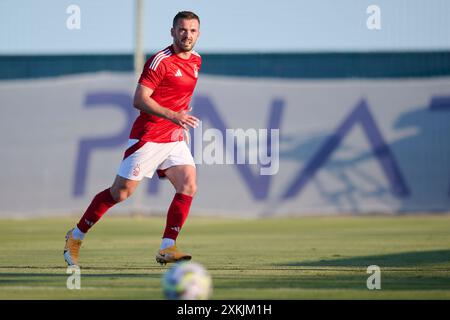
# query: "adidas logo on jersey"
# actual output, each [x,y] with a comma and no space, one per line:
[178,73]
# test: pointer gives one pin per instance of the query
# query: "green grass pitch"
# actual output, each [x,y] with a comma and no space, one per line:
[275,258]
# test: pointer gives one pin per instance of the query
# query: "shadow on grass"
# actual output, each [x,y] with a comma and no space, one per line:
[420,274]
[403,259]
[53,275]
[14,279]
[356,281]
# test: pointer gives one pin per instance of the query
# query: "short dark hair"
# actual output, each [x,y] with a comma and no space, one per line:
[185,15]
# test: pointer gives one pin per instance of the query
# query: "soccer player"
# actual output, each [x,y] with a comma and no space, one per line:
[157,140]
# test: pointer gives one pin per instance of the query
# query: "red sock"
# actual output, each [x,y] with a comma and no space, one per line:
[177,214]
[99,205]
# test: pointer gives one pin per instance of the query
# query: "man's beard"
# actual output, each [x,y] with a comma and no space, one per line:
[185,47]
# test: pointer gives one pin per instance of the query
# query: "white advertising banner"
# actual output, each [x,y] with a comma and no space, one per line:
[265,147]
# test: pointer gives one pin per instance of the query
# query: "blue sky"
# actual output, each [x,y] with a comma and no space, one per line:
[30,27]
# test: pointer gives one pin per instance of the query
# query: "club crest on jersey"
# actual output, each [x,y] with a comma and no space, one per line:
[195,71]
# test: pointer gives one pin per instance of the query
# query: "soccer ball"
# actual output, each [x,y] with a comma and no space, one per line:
[187,281]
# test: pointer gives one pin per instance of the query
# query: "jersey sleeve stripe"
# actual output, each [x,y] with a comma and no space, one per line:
[157,56]
[158,59]
[162,52]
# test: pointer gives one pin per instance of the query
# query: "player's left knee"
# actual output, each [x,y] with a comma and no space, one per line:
[189,188]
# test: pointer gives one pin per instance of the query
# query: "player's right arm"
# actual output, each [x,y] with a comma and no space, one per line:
[145,103]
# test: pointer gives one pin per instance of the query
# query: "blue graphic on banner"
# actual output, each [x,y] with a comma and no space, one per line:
[316,152]
[257,184]
[441,103]
[360,115]
[122,101]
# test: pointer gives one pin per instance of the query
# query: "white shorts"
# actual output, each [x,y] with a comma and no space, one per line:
[142,158]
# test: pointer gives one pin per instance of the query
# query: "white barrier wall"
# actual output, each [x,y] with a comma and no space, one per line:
[344,147]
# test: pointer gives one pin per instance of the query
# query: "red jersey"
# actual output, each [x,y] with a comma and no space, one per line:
[172,80]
